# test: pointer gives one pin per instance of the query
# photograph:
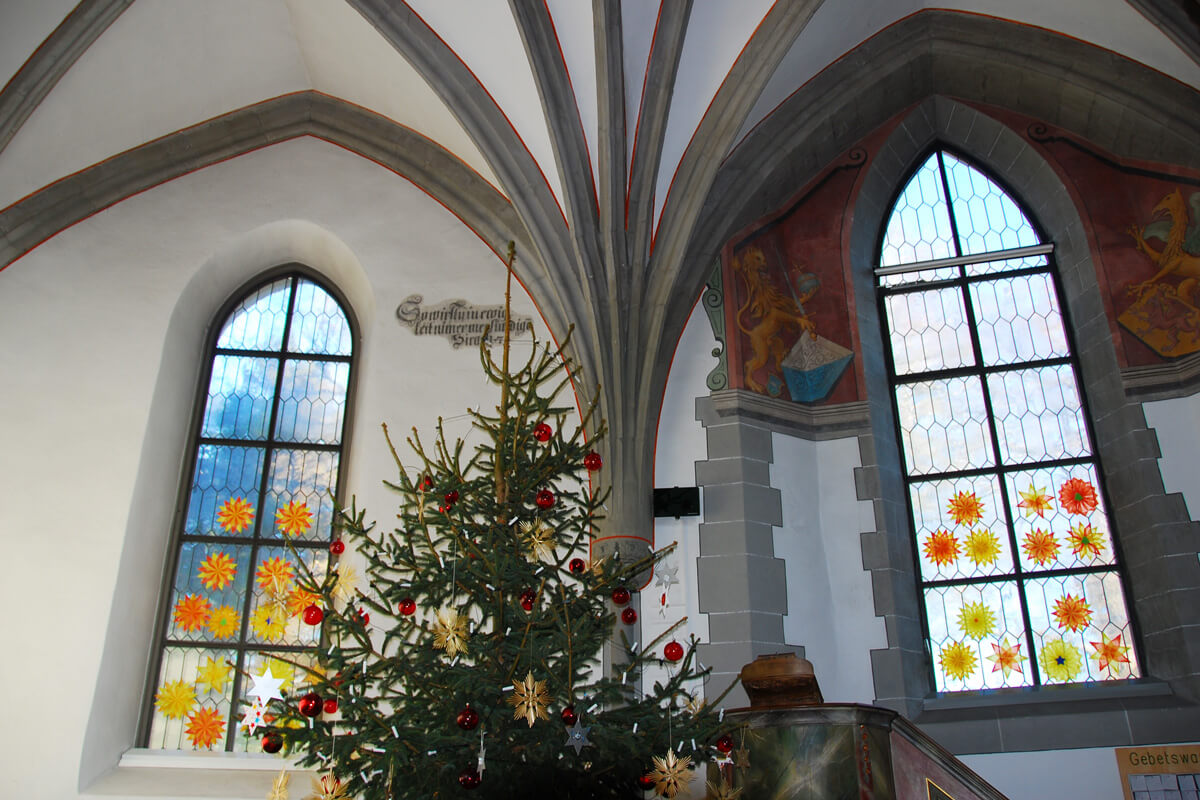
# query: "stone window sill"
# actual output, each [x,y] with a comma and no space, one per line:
[180,773]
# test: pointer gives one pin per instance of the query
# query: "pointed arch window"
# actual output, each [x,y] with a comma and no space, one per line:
[1017,563]
[258,498]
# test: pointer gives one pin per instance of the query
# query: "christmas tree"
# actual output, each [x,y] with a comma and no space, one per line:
[469,662]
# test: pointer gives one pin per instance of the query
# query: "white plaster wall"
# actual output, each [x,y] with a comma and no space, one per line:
[1087,773]
[830,607]
[91,320]
[681,442]
[1177,424]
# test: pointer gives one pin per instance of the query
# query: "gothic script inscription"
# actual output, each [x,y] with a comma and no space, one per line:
[462,323]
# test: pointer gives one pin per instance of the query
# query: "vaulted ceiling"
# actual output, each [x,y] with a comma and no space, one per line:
[593,133]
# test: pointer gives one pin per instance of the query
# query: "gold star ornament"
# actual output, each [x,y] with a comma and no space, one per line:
[722,791]
[671,774]
[539,540]
[279,789]
[327,787]
[529,699]
[450,632]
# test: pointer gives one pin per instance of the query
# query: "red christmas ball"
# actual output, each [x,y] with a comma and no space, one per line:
[673,651]
[451,498]
[542,432]
[577,566]
[593,461]
[468,718]
[426,483]
[569,716]
[337,547]
[528,598]
[310,704]
[725,744]
[313,614]
[468,778]
[620,595]
[272,742]
[629,616]
[645,782]
[363,617]
[330,705]
[408,606]
[545,498]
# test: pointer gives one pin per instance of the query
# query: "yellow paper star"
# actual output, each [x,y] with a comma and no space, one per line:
[214,674]
[671,774]
[450,632]
[539,540]
[343,588]
[530,699]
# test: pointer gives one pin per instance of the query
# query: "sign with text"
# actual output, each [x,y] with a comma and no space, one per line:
[460,322]
[1150,773]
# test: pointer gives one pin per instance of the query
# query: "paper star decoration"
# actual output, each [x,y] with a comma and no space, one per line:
[214,674]
[741,758]
[327,787]
[539,539]
[666,575]
[279,789]
[722,791]
[266,686]
[255,715]
[450,632]
[529,699]
[347,577]
[577,736]
[671,774]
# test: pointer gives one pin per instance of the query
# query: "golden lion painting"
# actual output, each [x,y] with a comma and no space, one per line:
[771,312]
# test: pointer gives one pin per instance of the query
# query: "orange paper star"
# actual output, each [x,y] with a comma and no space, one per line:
[236,515]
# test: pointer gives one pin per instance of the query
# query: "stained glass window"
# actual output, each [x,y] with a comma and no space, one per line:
[1015,551]
[256,510]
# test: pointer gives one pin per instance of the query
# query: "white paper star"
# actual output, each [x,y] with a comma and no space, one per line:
[255,715]
[266,686]
[577,737]
[666,575]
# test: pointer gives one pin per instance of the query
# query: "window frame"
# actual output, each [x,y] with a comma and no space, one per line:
[158,643]
[1018,574]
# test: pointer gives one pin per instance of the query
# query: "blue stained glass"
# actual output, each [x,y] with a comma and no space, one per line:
[222,473]
[318,323]
[257,322]
[239,397]
[303,476]
[312,399]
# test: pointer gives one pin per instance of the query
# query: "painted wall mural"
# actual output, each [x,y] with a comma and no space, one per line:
[1164,311]
[787,304]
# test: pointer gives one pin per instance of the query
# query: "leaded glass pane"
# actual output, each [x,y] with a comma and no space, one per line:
[1018,320]
[919,228]
[1037,413]
[224,495]
[209,590]
[1059,518]
[987,218]
[239,397]
[277,600]
[312,397]
[943,425]
[192,699]
[960,528]
[318,323]
[929,331]
[300,491]
[977,636]
[1004,265]
[258,321]
[1081,628]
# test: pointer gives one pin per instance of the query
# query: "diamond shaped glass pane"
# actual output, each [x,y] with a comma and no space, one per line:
[257,322]
[929,331]
[987,218]
[943,425]
[1018,320]
[1037,414]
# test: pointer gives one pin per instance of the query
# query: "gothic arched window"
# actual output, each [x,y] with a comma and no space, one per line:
[256,507]
[1017,563]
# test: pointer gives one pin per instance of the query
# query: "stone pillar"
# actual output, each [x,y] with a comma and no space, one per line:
[742,585]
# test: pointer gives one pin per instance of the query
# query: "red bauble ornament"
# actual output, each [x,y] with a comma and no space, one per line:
[468,718]
[620,595]
[330,705]
[528,598]
[451,498]
[542,432]
[272,742]
[468,778]
[645,782]
[426,483]
[545,498]
[673,651]
[725,744]
[313,614]
[569,716]
[337,547]
[363,616]
[577,566]
[408,606]
[629,616]
[593,461]
[310,704]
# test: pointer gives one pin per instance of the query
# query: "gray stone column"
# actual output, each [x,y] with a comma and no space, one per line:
[742,585]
